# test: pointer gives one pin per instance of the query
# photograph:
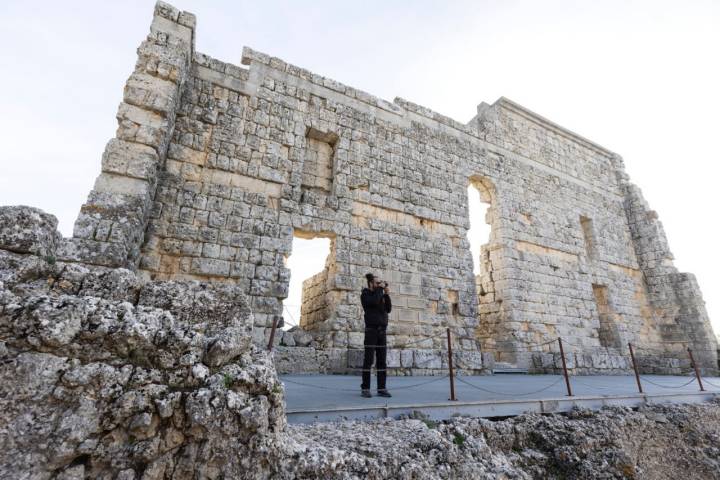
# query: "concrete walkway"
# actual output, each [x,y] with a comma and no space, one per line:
[313,398]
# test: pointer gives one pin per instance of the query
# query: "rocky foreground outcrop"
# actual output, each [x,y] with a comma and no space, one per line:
[103,375]
[657,442]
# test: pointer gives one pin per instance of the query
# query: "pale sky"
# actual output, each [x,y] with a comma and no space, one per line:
[638,77]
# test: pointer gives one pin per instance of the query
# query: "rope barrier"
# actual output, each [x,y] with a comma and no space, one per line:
[641,347]
[596,352]
[705,380]
[415,365]
[462,366]
[645,349]
[398,347]
[603,387]
[323,387]
[462,380]
[465,337]
[645,379]
[646,353]
[294,324]
[435,379]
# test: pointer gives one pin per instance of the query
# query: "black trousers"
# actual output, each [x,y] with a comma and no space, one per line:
[375,349]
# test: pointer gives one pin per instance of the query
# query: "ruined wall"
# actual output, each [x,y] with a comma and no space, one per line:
[567,240]
[314,303]
[237,161]
[110,228]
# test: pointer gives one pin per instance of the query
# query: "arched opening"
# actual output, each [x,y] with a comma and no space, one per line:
[307,263]
[480,202]
[484,249]
[479,232]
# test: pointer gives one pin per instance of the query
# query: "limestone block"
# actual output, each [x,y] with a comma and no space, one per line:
[210,266]
[417,303]
[405,315]
[110,183]
[92,252]
[356,339]
[569,360]
[488,360]
[469,359]
[427,359]
[333,359]
[130,159]
[287,339]
[295,359]
[393,358]
[406,358]
[152,93]
[543,360]
[355,358]
[28,230]
[302,338]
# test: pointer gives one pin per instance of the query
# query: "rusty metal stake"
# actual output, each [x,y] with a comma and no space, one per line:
[450,364]
[635,367]
[272,334]
[567,379]
[697,372]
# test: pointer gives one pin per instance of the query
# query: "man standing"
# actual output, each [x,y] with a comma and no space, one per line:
[376,303]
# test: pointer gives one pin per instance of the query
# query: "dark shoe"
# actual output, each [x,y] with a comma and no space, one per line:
[384,393]
[365,393]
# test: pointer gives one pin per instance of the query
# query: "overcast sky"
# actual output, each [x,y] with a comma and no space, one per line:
[638,77]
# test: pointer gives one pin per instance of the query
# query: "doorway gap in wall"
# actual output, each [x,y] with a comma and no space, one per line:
[479,231]
[308,257]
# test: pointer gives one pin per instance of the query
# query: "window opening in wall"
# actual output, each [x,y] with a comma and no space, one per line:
[479,232]
[588,235]
[481,237]
[608,333]
[318,162]
[453,300]
[307,259]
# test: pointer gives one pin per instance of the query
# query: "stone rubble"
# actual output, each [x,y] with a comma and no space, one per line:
[678,441]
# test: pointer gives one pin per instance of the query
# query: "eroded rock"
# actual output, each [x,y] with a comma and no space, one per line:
[104,376]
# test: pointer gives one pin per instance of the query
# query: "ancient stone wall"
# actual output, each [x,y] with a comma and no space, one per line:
[217,167]
[110,228]
[314,304]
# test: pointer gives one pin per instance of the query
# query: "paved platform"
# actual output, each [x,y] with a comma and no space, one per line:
[320,398]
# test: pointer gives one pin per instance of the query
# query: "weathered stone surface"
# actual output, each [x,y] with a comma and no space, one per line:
[654,442]
[302,338]
[106,377]
[28,230]
[296,360]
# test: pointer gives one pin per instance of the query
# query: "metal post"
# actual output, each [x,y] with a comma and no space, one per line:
[635,367]
[272,334]
[567,379]
[450,364]
[697,372]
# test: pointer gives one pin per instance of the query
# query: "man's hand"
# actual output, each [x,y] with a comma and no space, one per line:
[386,289]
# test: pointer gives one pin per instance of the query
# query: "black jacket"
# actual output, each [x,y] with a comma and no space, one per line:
[377,305]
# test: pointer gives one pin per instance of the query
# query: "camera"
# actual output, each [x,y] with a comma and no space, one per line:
[383,283]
